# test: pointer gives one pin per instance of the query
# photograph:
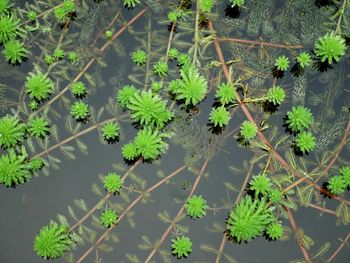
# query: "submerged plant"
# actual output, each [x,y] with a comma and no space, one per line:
[80,110]
[299,118]
[108,218]
[260,184]
[11,131]
[78,89]
[196,206]
[274,230]
[238,3]
[125,94]
[276,95]
[38,86]
[226,93]
[108,34]
[9,28]
[345,173]
[248,219]
[304,59]
[330,47]
[53,241]
[181,246]
[131,3]
[160,68]
[14,52]
[58,53]
[139,57]
[130,151]
[206,5]
[336,185]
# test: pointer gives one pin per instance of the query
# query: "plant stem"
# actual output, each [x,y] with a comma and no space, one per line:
[342,244]
[260,43]
[178,215]
[196,28]
[139,198]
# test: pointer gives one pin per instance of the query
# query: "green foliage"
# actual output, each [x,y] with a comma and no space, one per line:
[32,15]
[9,28]
[330,47]
[156,86]
[260,184]
[36,164]
[139,57]
[78,89]
[49,60]
[58,54]
[299,118]
[160,68]
[53,241]
[183,60]
[226,93]
[192,88]
[276,95]
[219,117]
[38,127]
[65,11]
[274,230]
[33,105]
[108,34]
[181,246]
[248,130]
[13,168]
[149,109]
[248,219]
[11,131]
[336,185]
[131,3]
[14,52]
[304,59]
[73,58]
[282,63]
[38,86]
[112,182]
[205,5]
[275,196]
[125,94]
[150,143]
[345,173]
[80,110]
[110,131]
[305,141]
[4,6]
[196,206]
[173,53]
[108,218]
[173,16]
[130,152]
[238,3]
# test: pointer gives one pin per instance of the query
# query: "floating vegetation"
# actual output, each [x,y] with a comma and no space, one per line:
[198,126]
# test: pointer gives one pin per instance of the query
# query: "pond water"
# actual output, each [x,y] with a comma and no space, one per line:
[218,164]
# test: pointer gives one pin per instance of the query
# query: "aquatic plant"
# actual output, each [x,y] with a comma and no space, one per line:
[192,88]
[181,246]
[345,173]
[4,6]
[330,47]
[9,28]
[112,182]
[304,59]
[260,184]
[336,184]
[130,151]
[108,34]
[125,94]
[238,3]
[131,3]
[14,52]
[147,108]
[206,5]
[38,127]
[282,63]
[110,131]
[58,54]
[108,218]
[150,143]
[49,60]
[248,130]
[219,117]
[196,206]
[226,93]
[173,16]
[78,89]
[139,57]
[32,15]
[305,141]
[80,110]
[299,118]
[13,168]
[38,86]
[160,68]
[173,53]
[64,12]
[36,164]
[73,58]
[248,219]
[276,95]
[52,241]
[274,230]
[11,131]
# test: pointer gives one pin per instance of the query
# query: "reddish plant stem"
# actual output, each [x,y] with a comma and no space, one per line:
[260,43]
[295,229]
[167,231]
[138,199]
[342,244]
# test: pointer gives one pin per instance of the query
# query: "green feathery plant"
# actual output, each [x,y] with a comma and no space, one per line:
[196,207]
[282,63]
[112,182]
[181,246]
[38,86]
[248,130]
[305,141]
[299,118]
[225,93]
[38,127]
[304,59]
[78,89]
[108,218]
[345,173]
[80,110]
[160,68]
[131,3]
[276,95]
[110,131]
[14,52]
[260,184]
[219,117]
[238,3]
[12,131]
[274,230]
[124,95]
[331,47]
[139,57]
[336,185]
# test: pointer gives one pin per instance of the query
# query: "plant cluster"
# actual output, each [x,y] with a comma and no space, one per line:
[182,246]
[337,184]
[196,206]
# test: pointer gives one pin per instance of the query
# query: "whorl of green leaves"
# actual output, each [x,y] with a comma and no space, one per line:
[196,206]
[181,246]
[11,131]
